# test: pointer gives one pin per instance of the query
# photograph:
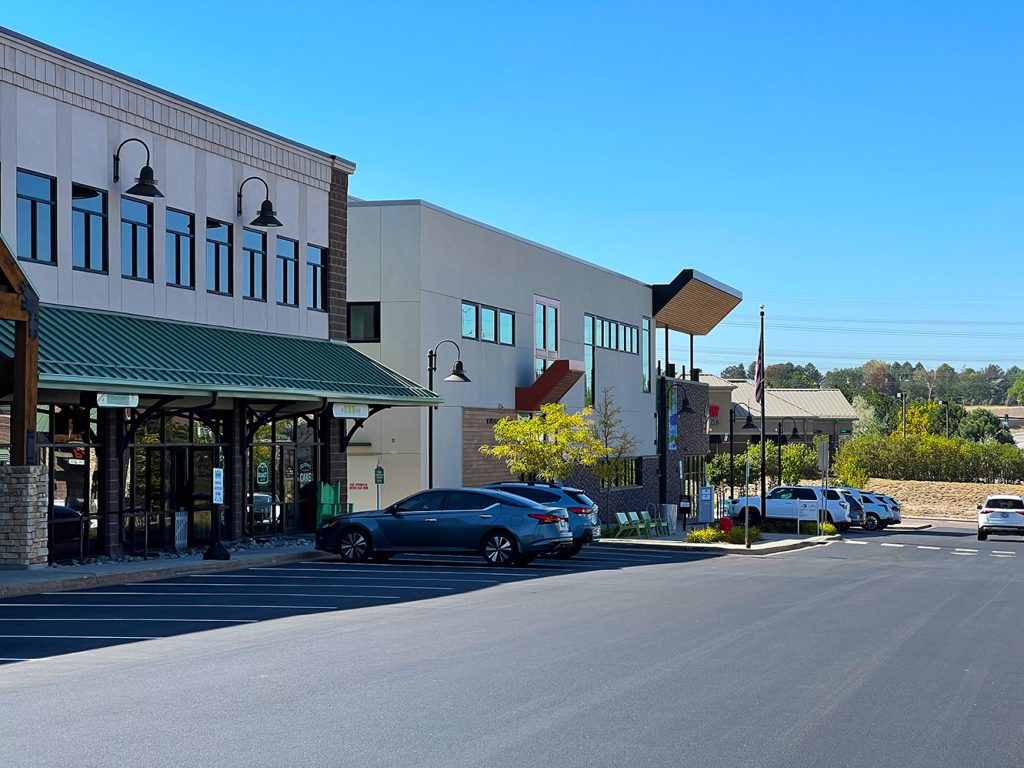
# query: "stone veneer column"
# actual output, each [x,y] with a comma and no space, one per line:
[23,529]
[111,488]
[334,464]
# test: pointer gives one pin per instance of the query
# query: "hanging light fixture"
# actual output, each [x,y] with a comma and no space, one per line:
[145,184]
[267,217]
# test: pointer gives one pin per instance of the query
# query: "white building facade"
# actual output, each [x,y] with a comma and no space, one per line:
[419,275]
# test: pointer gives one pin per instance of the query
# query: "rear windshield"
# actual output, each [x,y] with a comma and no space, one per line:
[1005,503]
[850,499]
[581,497]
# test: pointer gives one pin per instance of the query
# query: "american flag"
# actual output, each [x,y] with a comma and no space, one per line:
[759,374]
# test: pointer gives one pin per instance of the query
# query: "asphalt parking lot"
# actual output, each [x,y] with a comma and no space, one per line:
[55,623]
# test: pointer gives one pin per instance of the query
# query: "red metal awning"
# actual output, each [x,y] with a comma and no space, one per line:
[551,386]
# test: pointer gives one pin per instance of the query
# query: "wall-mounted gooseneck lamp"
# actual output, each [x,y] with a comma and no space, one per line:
[267,217]
[145,184]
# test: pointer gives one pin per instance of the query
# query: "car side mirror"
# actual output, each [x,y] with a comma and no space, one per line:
[979,506]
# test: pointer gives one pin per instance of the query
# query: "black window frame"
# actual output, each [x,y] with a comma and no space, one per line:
[172,256]
[249,258]
[88,216]
[315,285]
[221,249]
[376,321]
[134,227]
[34,204]
[281,265]
[478,311]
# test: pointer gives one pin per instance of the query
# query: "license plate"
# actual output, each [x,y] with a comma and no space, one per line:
[563,525]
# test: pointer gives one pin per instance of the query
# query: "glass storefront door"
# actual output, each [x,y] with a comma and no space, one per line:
[282,476]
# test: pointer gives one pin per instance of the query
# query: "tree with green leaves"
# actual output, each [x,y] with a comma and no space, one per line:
[737,371]
[547,446]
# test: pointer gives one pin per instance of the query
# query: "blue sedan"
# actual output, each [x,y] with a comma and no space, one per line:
[503,528]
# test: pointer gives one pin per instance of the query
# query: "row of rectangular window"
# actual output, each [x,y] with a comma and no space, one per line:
[37,238]
[485,323]
[609,334]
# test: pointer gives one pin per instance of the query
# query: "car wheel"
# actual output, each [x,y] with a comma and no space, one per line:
[500,548]
[354,545]
[381,557]
[871,522]
[569,552]
[982,536]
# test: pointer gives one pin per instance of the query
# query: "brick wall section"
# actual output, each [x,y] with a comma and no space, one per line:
[478,429]
[23,528]
[337,258]
[234,461]
[629,499]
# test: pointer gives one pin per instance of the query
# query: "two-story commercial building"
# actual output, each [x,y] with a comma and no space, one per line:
[530,325]
[191,274]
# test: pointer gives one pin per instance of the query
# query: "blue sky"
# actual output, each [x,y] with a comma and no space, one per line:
[856,167]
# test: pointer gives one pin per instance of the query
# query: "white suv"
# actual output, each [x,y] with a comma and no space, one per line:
[1002,516]
[794,502]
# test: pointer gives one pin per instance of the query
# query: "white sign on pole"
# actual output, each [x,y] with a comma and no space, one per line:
[823,456]
[218,485]
[350,411]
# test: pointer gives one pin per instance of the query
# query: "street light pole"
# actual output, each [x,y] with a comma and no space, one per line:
[945,403]
[903,411]
[732,423]
[458,374]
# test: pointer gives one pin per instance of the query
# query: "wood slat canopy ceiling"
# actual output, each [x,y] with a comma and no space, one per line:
[693,303]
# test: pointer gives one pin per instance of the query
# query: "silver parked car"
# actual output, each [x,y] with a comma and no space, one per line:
[583,519]
[505,529]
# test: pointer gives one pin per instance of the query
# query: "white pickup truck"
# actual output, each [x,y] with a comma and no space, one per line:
[794,502]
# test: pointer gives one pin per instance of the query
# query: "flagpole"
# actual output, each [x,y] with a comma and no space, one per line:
[764,404]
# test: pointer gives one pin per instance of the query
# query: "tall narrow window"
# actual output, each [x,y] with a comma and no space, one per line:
[254,265]
[136,239]
[37,224]
[287,272]
[506,327]
[316,259]
[88,228]
[469,312]
[588,360]
[645,353]
[488,324]
[181,249]
[218,257]
[545,334]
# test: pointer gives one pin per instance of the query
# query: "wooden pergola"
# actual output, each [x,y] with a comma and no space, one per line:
[19,376]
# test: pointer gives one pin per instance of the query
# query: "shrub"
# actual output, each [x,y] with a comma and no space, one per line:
[706,536]
[736,534]
[828,529]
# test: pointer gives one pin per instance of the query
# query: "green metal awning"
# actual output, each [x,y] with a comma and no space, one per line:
[94,350]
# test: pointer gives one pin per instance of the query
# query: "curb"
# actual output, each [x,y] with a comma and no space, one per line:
[89,580]
[766,549]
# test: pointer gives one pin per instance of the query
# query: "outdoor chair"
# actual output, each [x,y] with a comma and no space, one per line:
[625,526]
[644,529]
[655,524]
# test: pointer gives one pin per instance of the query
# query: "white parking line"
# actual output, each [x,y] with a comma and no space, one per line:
[289,606]
[922,546]
[328,578]
[393,575]
[1009,552]
[849,541]
[966,554]
[1000,554]
[964,549]
[93,618]
[90,592]
[76,637]
[888,544]
[261,584]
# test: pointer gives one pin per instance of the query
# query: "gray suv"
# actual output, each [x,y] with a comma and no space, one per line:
[505,529]
[583,519]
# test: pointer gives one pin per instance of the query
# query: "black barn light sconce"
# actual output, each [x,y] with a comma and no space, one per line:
[145,184]
[267,217]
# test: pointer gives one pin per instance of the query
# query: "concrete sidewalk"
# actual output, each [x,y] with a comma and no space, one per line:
[60,578]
